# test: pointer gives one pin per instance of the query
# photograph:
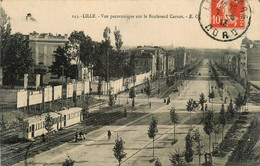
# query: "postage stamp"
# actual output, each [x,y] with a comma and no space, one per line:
[224,20]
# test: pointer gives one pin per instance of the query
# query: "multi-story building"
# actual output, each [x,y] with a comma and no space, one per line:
[244,64]
[43,46]
[253,61]
[150,58]
[180,58]
[170,67]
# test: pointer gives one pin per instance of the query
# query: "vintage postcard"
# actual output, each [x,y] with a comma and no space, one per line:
[130,82]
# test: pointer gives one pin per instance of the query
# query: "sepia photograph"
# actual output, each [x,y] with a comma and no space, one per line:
[130,82]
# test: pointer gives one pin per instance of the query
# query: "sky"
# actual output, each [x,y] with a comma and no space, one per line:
[57,17]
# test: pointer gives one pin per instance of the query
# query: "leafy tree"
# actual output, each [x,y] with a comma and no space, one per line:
[131,71]
[230,110]
[152,131]
[100,60]
[81,49]
[5,33]
[62,58]
[198,139]
[177,158]
[49,123]
[17,58]
[119,150]
[202,100]
[212,96]
[174,118]
[189,108]
[118,39]
[107,46]
[148,89]
[111,101]
[222,119]
[157,162]
[209,125]
[188,147]
[68,162]
[132,95]
[239,102]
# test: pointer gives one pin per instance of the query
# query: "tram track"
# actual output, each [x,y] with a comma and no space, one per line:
[18,152]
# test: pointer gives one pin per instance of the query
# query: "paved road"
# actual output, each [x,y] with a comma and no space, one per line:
[97,150]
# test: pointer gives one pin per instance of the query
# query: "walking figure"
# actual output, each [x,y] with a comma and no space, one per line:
[168,100]
[76,136]
[80,135]
[43,138]
[109,134]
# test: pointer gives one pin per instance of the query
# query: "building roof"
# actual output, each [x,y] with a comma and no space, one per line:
[70,110]
[40,118]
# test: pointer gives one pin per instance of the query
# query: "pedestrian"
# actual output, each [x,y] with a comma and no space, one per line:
[80,135]
[206,107]
[164,100]
[76,136]
[169,99]
[109,134]
[125,114]
[43,137]
[150,104]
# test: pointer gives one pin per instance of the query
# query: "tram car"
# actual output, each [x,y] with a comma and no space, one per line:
[70,116]
[35,126]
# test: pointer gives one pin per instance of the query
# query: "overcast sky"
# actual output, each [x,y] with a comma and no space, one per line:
[56,17]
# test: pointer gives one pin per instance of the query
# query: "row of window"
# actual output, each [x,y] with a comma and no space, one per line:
[55,121]
[37,126]
[73,115]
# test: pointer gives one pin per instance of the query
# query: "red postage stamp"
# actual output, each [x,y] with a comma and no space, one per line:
[224,20]
[228,13]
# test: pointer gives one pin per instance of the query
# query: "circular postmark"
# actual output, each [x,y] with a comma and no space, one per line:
[224,20]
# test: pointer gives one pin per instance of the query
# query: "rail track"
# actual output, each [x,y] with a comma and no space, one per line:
[22,150]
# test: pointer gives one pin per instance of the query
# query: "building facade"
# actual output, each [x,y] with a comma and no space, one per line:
[245,64]
[180,58]
[170,67]
[43,46]
[152,59]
